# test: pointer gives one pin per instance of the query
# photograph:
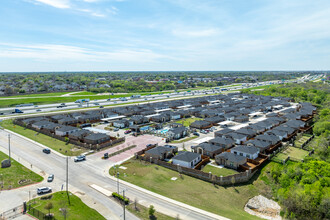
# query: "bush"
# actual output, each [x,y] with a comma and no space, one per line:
[120,197]
[46,197]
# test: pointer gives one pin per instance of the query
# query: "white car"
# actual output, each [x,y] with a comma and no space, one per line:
[43,190]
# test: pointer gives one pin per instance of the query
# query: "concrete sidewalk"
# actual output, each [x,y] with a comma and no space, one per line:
[36,143]
[208,214]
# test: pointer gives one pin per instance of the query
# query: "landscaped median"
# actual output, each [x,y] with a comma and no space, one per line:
[224,201]
[53,143]
[16,175]
[61,206]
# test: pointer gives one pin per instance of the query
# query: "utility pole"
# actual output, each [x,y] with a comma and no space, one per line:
[67,178]
[124,203]
[117,181]
[9,146]
[67,174]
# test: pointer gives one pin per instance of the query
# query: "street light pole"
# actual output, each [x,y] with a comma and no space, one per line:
[67,174]
[117,181]
[124,203]
[9,146]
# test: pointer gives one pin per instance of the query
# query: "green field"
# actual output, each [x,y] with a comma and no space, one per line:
[219,171]
[187,121]
[60,146]
[17,175]
[75,210]
[301,140]
[224,201]
[142,213]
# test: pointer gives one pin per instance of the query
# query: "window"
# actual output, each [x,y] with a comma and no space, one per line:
[191,164]
[241,154]
[248,155]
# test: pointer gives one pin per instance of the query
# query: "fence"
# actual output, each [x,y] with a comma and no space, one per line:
[71,141]
[12,213]
[209,177]
[39,214]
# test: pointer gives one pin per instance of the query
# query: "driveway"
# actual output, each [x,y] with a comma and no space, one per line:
[140,142]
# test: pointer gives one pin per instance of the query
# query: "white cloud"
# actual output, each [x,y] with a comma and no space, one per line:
[55,52]
[56,3]
[195,33]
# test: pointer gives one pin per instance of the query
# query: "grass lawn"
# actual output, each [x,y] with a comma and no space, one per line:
[75,210]
[184,140]
[11,176]
[50,142]
[296,153]
[187,121]
[219,171]
[225,201]
[35,95]
[143,213]
[301,140]
[279,157]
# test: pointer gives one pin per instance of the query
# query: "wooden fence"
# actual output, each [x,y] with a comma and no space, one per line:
[209,177]
[74,142]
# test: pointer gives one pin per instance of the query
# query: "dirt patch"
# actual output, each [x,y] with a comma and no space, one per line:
[24,181]
[263,208]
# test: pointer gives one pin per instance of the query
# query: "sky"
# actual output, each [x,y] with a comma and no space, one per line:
[164,35]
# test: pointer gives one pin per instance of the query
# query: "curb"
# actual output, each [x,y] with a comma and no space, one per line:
[37,143]
[169,200]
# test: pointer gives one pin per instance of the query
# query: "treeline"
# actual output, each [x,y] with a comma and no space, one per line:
[13,83]
[303,188]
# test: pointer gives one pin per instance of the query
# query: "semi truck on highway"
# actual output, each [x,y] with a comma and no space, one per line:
[81,100]
[10,111]
[135,96]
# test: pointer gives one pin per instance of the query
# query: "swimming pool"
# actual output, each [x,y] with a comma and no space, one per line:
[163,131]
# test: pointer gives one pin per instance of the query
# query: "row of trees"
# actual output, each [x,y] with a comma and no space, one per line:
[303,188]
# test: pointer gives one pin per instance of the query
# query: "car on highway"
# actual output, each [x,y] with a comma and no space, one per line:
[101,106]
[60,106]
[43,190]
[80,158]
[46,151]
[50,178]
[38,110]
[108,99]
[62,103]
[96,103]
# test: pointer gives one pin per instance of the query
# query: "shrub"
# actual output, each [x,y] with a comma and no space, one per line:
[120,197]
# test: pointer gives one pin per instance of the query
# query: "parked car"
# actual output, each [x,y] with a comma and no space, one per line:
[116,129]
[43,190]
[127,131]
[80,158]
[50,178]
[196,133]
[46,151]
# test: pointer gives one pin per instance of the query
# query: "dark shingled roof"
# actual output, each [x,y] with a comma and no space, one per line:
[232,157]
[186,156]
[246,149]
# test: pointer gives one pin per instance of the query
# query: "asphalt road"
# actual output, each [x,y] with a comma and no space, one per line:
[82,175]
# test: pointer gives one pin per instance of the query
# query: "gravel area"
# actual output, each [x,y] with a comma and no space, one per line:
[263,208]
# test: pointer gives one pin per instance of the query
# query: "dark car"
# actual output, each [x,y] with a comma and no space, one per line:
[50,178]
[196,133]
[101,106]
[46,151]
[80,158]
